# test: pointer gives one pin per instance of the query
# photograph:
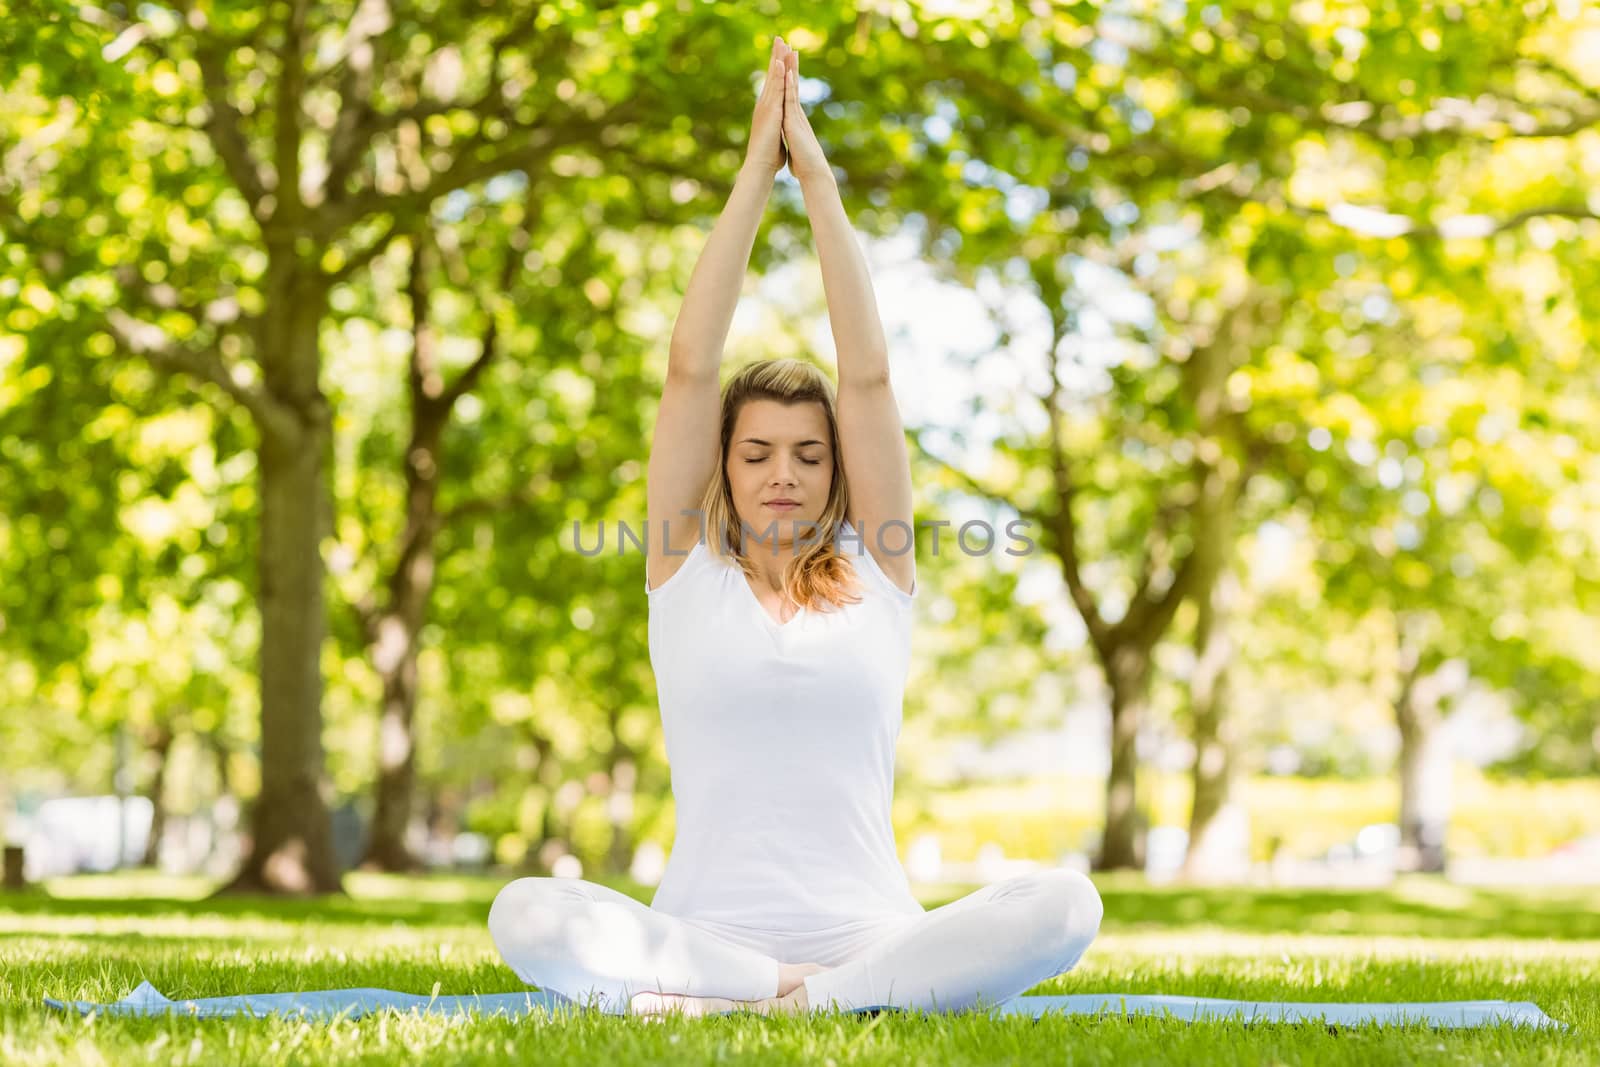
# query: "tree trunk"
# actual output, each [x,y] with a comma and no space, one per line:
[395,634]
[548,843]
[619,808]
[218,749]
[1123,844]
[1218,825]
[398,633]
[553,842]
[161,745]
[1425,769]
[291,846]
[387,849]
[1219,847]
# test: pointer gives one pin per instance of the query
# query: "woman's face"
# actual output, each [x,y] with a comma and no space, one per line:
[780,452]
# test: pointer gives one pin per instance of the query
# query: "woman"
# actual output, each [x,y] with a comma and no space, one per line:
[781,587]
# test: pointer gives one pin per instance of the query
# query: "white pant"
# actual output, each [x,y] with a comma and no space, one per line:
[599,947]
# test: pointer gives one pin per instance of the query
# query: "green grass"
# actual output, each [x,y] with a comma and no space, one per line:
[1421,940]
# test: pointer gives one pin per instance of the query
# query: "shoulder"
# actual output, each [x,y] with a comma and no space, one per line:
[667,569]
[853,546]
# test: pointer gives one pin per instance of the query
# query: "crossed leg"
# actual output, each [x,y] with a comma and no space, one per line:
[597,946]
[988,946]
[600,947]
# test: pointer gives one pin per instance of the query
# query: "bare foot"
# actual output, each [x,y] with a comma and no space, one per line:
[796,1002]
[657,1004]
[792,975]
[680,1004]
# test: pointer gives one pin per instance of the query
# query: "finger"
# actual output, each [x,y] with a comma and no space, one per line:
[771,87]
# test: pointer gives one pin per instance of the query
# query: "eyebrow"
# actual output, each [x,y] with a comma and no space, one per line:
[759,441]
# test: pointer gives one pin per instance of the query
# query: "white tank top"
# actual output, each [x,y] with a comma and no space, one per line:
[781,744]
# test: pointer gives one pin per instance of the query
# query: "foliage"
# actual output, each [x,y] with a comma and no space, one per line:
[1391,208]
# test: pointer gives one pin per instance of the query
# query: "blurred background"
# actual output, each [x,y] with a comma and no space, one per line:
[1264,339]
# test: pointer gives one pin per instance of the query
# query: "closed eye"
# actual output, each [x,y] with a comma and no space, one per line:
[807,462]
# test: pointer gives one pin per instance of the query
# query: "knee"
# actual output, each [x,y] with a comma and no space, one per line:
[1073,908]
[514,906]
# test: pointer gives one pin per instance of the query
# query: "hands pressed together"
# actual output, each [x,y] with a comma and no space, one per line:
[780,133]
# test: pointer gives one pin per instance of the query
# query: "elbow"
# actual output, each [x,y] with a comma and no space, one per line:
[686,366]
[876,376]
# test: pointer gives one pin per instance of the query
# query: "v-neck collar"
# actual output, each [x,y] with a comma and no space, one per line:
[761,609]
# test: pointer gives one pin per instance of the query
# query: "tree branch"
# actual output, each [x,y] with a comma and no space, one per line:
[569,467]
[365,55]
[359,122]
[1549,66]
[288,116]
[466,167]
[225,126]
[205,365]
[1077,129]
[1484,225]
[488,348]
[1061,522]
[1444,115]
[422,370]
[1148,619]
[1216,488]
[1376,222]
[475,506]
[977,487]
[365,610]
[222,311]
[366,255]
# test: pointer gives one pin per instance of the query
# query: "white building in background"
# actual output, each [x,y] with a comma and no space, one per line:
[73,835]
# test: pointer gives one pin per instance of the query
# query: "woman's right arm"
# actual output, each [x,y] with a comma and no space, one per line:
[702,325]
[686,445]
[713,293]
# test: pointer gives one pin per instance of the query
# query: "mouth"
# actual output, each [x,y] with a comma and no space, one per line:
[782,505]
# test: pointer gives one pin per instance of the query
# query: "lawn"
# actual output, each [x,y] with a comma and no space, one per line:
[97,938]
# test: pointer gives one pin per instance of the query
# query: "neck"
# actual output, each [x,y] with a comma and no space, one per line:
[769,563]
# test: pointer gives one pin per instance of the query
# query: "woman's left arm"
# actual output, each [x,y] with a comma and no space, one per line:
[872,443]
[852,307]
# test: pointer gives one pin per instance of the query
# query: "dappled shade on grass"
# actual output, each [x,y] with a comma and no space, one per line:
[1237,944]
[1418,906]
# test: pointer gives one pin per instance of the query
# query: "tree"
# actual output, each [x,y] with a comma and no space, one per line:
[285,148]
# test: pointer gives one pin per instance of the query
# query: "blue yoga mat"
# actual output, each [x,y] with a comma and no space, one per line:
[354,1003]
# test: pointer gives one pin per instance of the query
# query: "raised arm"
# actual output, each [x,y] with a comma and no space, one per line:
[872,441]
[685,448]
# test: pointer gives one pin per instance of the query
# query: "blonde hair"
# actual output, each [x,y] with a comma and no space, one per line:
[816,575]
